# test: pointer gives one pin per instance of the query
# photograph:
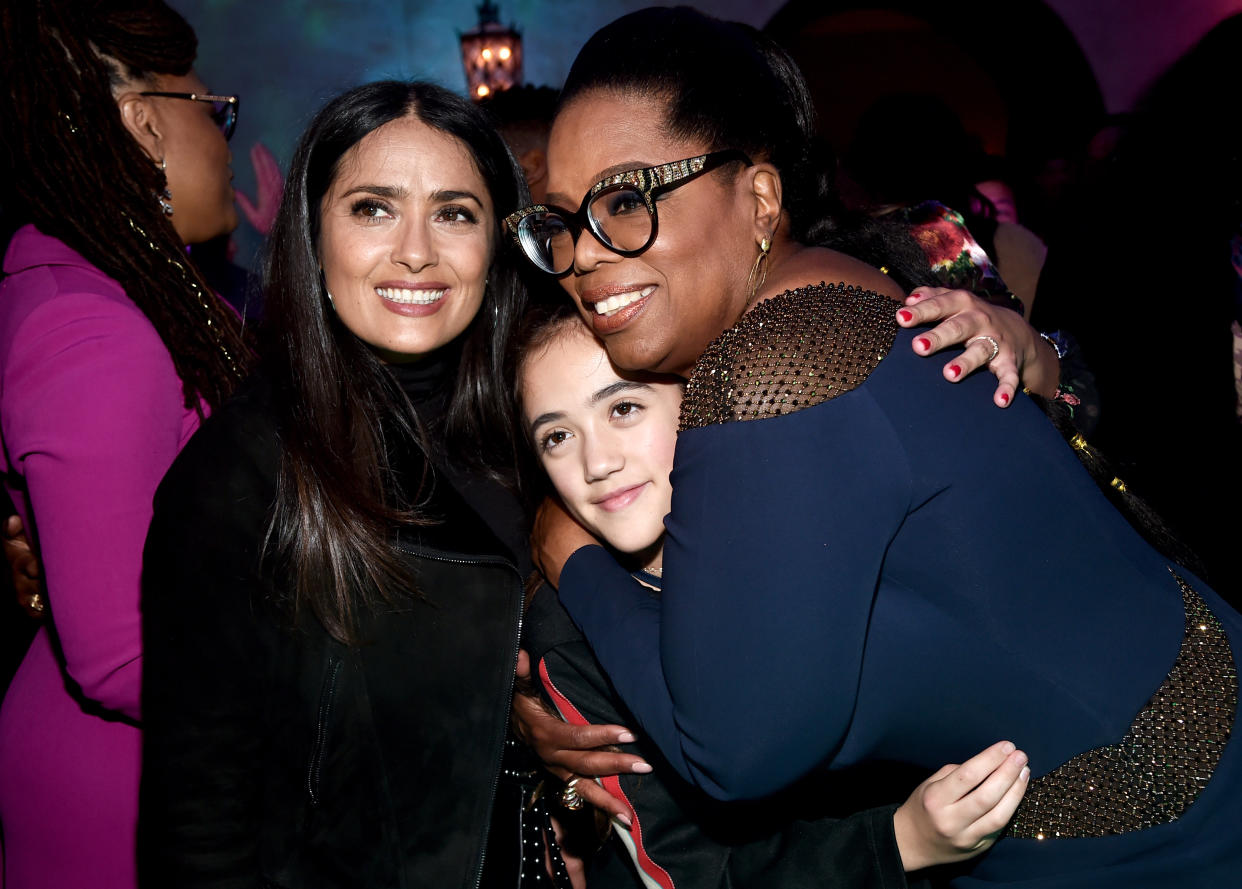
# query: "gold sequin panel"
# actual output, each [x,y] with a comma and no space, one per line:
[1162,764]
[790,352]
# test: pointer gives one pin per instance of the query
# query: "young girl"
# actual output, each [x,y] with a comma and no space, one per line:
[605,440]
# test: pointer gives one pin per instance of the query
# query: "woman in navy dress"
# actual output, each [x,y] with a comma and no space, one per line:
[842,580]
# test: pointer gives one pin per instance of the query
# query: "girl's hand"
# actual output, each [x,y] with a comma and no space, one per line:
[961,810]
[574,751]
[555,537]
[1022,357]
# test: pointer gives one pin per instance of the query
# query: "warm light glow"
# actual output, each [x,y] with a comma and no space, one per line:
[491,55]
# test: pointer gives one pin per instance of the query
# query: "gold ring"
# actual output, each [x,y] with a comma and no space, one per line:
[569,796]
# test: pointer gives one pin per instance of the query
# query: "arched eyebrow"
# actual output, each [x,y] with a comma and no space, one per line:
[614,388]
[380,190]
[452,194]
[549,417]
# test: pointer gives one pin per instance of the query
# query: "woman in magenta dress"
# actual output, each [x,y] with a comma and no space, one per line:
[112,349]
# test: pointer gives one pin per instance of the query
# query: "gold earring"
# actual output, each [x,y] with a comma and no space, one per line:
[165,196]
[758,271]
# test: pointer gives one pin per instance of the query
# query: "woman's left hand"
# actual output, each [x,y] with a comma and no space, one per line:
[555,537]
[1020,356]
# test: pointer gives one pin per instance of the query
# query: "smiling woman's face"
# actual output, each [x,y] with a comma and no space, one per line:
[689,286]
[605,438]
[406,238]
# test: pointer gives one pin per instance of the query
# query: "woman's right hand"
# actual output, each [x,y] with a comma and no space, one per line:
[575,751]
[961,810]
[556,536]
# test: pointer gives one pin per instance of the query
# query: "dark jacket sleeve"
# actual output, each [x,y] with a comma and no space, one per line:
[682,838]
[207,644]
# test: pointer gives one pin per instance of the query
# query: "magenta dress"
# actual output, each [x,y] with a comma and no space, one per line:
[91,416]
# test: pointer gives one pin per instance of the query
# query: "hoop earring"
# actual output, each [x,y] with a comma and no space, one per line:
[165,196]
[758,271]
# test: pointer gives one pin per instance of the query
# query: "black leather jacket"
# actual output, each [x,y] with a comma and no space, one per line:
[276,756]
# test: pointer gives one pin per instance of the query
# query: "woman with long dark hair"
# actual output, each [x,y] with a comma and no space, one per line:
[333,581]
[842,579]
[112,349]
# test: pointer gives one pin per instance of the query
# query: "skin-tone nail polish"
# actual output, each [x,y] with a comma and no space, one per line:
[905,316]
[641,768]
[923,343]
[955,370]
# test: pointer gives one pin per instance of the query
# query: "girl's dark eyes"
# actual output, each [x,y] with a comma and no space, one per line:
[552,439]
[626,408]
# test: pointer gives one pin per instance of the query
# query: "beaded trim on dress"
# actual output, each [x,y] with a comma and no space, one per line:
[790,352]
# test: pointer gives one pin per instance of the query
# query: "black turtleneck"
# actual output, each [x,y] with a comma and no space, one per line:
[428,383]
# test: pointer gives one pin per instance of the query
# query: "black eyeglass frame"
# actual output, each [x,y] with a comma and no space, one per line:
[233,103]
[647,181]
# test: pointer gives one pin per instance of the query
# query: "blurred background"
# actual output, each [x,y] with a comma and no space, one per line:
[1033,81]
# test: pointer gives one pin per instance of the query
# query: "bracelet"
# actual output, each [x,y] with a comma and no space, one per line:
[1056,339]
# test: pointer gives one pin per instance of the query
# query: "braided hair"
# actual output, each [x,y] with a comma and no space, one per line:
[79,176]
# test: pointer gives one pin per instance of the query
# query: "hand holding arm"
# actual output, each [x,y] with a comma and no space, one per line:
[570,751]
[960,811]
[1023,359]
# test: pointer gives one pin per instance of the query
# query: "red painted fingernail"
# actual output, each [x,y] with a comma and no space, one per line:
[955,370]
[1005,397]
[904,315]
[923,343]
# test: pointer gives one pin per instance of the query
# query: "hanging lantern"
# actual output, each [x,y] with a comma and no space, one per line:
[491,54]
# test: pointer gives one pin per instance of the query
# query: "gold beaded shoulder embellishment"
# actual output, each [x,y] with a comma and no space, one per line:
[790,352]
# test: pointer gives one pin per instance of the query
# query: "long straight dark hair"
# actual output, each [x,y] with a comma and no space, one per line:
[340,413]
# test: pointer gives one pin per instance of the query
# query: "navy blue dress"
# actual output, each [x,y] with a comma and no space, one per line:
[865,564]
